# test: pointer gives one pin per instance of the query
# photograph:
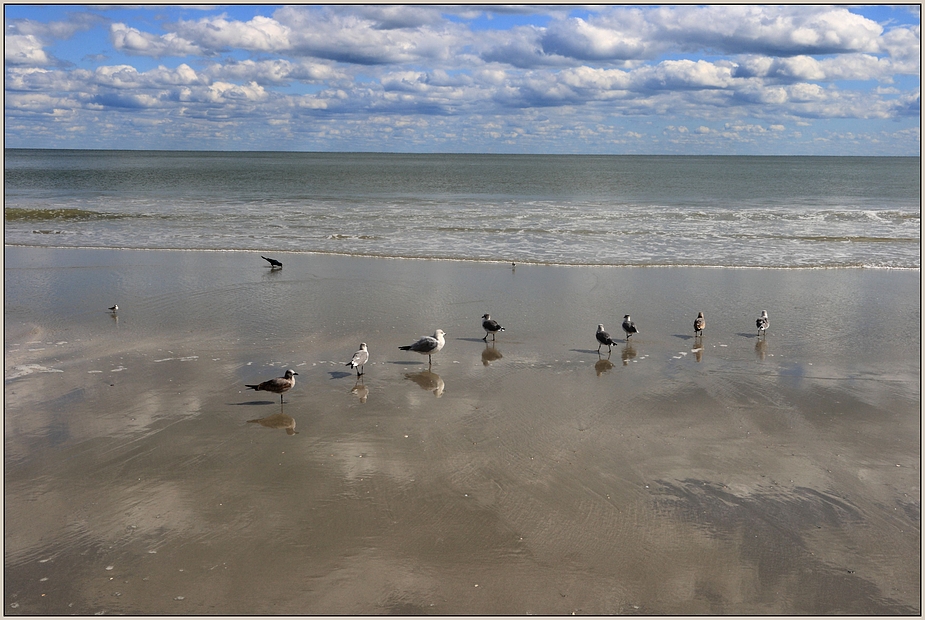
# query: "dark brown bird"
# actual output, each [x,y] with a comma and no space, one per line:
[699,324]
[277,385]
[274,264]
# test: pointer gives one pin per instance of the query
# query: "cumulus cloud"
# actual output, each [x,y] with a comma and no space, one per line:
[700,66]
[135,42]
[24,50]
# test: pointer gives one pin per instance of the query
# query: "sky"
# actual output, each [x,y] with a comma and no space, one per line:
[599,79]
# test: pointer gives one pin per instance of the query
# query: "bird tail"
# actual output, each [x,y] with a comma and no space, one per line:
[253,387]
[407,348]
[350,364]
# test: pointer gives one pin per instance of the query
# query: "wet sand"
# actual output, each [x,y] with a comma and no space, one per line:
[722,475]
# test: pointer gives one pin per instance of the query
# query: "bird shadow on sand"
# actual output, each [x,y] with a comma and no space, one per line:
[747,335]
[251,403]
[339,374]
[589,351]
[408,363]
[471,339]
[684,336]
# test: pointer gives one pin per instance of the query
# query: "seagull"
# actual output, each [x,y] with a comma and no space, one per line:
[604,338]
[114,308]
[629,327]
[427,345]
[359,359]
[491,326]
[699,324]
[277,385]
[762,322]
[274,264]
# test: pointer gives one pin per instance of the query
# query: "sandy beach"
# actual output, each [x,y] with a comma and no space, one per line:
[728,474]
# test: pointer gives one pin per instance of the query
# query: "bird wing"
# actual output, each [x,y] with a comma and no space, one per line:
[425,344]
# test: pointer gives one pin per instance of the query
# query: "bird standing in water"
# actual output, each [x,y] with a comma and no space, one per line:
[762,322]
[699,324]
[629,327]
[427,345]
[359,359]
[490,326]
[603,338]
[274,264]
[277,385]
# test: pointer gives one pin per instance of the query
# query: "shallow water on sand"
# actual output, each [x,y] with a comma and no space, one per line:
[722,475]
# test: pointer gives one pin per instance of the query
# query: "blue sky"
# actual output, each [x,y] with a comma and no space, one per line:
[652,79]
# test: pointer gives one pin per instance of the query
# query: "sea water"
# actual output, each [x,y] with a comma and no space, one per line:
[797,212]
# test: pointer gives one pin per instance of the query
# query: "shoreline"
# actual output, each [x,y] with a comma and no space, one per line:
[465,260]
[727,474]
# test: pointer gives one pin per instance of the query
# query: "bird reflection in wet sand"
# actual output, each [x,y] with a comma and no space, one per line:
[278,420]
[428,381]
[761,348]
[360,391]
[603,365]
[490,354]
[698,353]
[628,353]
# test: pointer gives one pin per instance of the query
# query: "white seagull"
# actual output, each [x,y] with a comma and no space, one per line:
[490,326]
[762,322]
[629,327]
[277,385]
[359,359]
[603,338]
[427,345]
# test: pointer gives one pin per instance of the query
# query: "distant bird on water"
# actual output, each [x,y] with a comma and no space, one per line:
[490,326]
[629,327]
[114,308]
[274,264]
[762,322]
[277,385]
[603,338]
[699,324]
[427,345]
[359,359]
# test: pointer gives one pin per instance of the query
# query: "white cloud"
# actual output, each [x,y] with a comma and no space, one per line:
[24,50]
[132,41]
[261,34]
[604,73]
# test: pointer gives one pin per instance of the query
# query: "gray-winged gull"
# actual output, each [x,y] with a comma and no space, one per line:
[427,345]
[359,359]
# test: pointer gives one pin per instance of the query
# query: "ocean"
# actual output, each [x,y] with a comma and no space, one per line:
[718,211]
